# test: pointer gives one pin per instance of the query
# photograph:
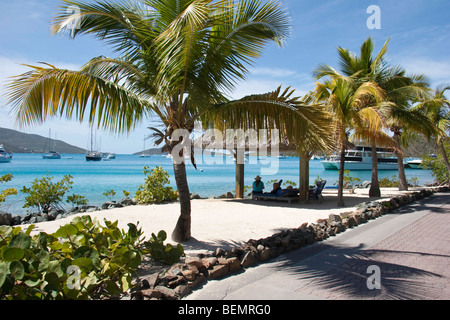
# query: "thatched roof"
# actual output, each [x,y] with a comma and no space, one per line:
[248,142]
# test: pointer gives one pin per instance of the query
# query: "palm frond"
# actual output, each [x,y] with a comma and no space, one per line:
[42,93]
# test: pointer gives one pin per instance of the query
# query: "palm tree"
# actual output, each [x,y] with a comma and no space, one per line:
[401,118]
[437,108]
[345,100]
[178,58]
[393,113]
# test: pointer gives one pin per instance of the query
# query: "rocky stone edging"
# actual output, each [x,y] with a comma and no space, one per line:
[54,214]
[161,282]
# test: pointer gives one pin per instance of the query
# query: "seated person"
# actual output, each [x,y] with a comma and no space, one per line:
[258,185]
[289,191]
[276,187]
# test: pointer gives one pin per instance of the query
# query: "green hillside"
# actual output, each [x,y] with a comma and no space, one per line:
[19,142]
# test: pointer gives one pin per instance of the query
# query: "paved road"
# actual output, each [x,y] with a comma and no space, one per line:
[402,255]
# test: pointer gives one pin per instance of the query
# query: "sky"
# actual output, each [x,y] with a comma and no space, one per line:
[418,33]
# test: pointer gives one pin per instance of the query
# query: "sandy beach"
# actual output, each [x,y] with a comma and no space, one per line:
[226,222]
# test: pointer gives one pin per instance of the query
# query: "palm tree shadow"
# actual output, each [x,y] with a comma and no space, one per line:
[196,245]
[346,271]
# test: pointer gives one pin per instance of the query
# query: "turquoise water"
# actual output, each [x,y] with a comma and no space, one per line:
[91,179]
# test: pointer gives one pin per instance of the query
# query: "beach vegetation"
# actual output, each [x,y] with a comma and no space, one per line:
[155,189]
[44,193]
[349,180]
[126,193]
[437,108]
[109,194]
[438,166]
[76,200]
[393,182]
[166,253]
[81,260]
[7,192]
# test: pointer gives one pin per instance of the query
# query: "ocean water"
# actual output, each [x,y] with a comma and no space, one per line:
[214,175]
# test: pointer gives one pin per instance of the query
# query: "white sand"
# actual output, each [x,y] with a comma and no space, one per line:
[224,223]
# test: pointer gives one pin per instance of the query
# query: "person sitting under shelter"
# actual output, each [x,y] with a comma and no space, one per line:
[276,187]
[258,185]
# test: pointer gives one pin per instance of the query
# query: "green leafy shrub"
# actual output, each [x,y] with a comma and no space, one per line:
[393,182]
[154,189]
[349,180]
[388,183]
[44,193]
[81,260]
[438,168]
[7,192]
[159,251]
[109,194]
[77,200]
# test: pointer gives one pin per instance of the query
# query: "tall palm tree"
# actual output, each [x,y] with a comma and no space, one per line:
[345,100]
[178,58]
[393,113]
[437,108]
[402,118]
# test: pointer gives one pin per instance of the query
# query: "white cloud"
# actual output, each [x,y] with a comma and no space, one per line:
[273,72]
[437,71]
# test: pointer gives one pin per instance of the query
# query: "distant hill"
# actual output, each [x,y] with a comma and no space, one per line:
[19,142]
[150,151]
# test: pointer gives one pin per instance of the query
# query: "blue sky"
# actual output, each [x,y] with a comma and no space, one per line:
[419,33]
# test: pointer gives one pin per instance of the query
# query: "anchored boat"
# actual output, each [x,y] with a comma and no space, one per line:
[4,156]
[360,158]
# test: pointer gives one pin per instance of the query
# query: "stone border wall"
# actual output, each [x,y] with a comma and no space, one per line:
[178,280]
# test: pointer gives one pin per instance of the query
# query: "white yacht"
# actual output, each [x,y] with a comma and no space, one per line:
[4,156]
[360,158]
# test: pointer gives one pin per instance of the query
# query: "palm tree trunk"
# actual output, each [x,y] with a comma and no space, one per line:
[182,231]
[341,178]
[304,178]
[374,190]
[402,183]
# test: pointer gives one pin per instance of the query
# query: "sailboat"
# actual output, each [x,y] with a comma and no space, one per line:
[52,153]
[93,155]
[144,154]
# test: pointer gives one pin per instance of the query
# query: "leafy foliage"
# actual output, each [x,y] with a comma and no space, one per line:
[77,200]
[166,253]
[109,194]
[7,192]
[44,193]
[155,190]
[393,182]
[438,166]
[81,260]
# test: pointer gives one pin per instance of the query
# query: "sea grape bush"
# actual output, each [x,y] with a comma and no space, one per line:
[45,193]
[159,251]
[76,200]
[41,266]
[154,189]
[7,192]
